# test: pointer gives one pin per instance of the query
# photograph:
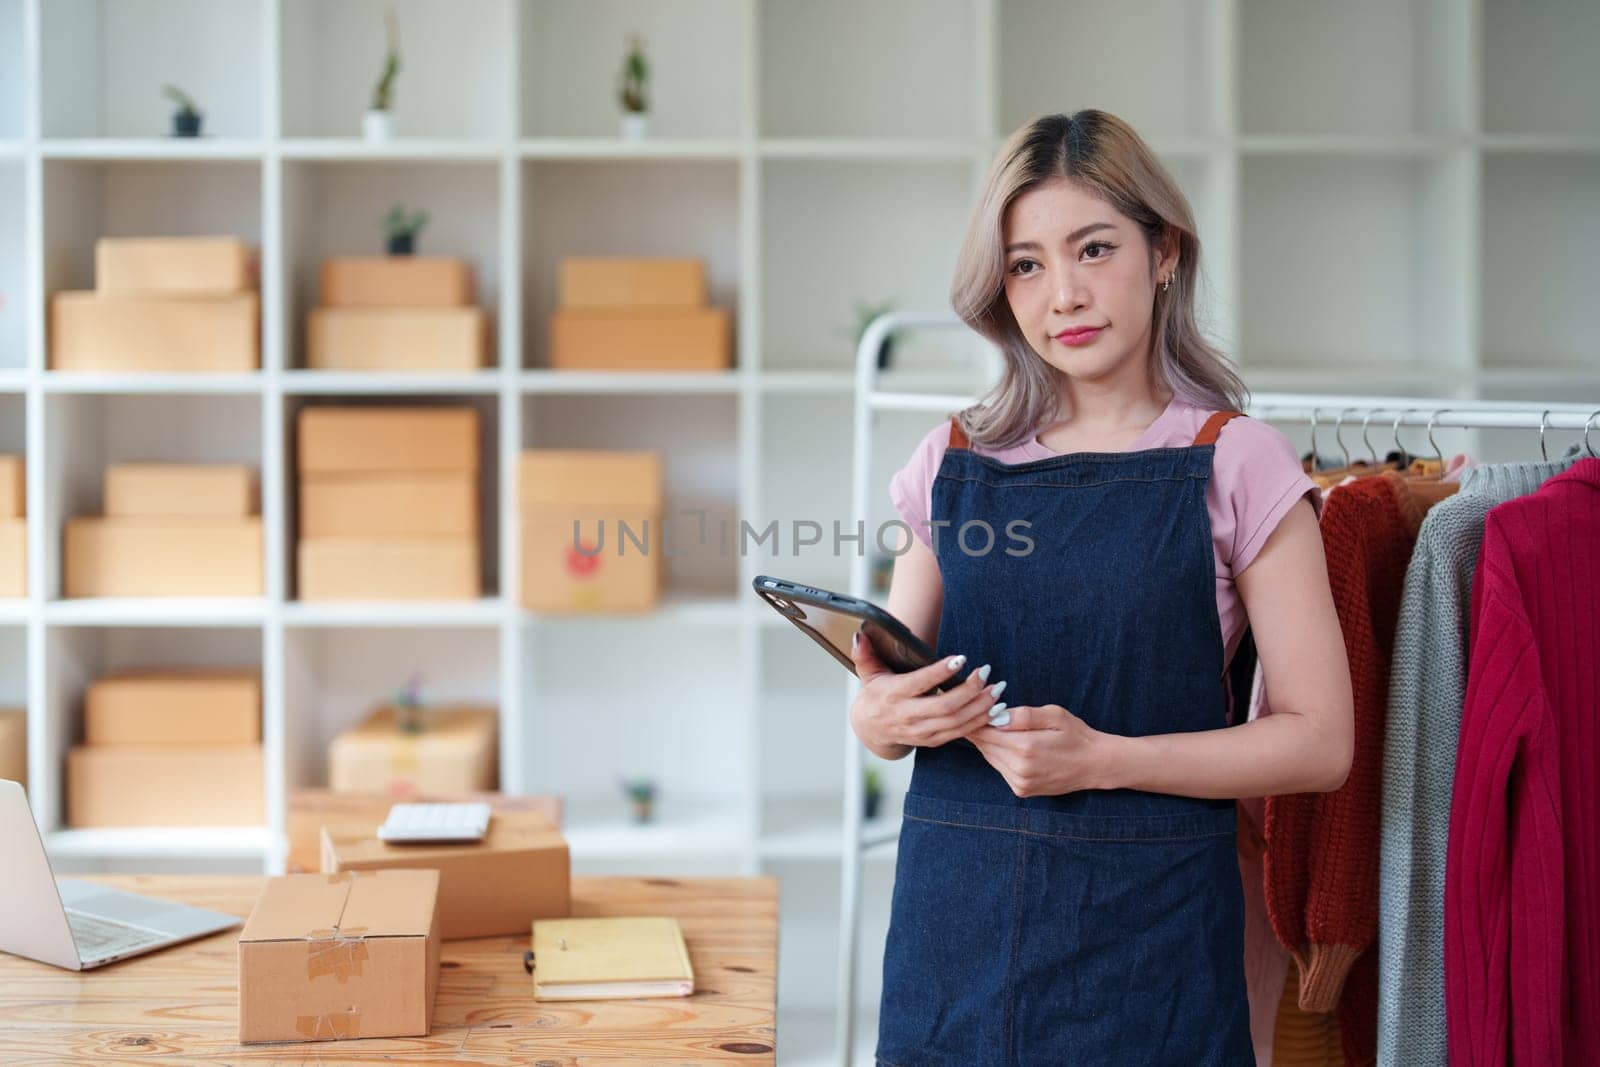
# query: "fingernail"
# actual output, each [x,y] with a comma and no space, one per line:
[855,640]
[1004,719]
[999,709]
[955,662]
[996,689]
[983,673]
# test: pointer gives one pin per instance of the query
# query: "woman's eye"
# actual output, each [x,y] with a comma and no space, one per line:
[1098,244]
[1016,268]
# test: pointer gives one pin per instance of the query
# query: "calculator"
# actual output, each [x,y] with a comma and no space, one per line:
[430,823]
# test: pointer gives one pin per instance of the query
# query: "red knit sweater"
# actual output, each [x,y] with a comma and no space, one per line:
[1522,868]
[1321,862]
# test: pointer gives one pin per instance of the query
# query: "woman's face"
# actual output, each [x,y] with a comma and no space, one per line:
[1073,261]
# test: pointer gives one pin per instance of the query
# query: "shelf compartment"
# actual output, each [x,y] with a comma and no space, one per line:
[14,298]
[1557,40]
[104,63]
[839,234]
[335,208]
[332,54]
[401,612]
[1538,237]
[1369,281]
[695,49]
[878,83]
[625,207]
[1296,75]
[1051,52]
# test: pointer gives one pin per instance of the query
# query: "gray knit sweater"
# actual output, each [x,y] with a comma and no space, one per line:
[1427,687]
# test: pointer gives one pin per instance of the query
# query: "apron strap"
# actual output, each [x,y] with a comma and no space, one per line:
[958,436]
[1213,426]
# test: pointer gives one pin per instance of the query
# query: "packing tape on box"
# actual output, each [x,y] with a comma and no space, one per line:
[335,1027]
[339,952]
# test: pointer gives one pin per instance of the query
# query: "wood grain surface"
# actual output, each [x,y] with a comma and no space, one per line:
[181,1004]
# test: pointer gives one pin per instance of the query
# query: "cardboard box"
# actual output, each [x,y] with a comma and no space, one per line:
[367,505]
[309,810]
[396,282]
[457,752]
[632,282]
[163,557]
[13,558]
[155,333]
[389,438]
[390,568]
[393,338]
[340,956]
[603,492]
[193,707]
[641,340]
[14,744]
[519,872]
[165,785]
[167,490]
[13,487]
[124,265]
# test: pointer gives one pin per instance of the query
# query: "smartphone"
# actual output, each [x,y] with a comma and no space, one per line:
[831,619]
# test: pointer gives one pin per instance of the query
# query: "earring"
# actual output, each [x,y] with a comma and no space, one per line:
[1168,283]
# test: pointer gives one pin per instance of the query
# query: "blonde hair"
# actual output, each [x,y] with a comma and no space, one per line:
[1104,156]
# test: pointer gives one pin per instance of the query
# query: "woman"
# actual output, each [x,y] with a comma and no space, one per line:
[1067,888]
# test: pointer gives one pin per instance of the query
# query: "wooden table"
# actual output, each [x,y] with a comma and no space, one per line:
[181,1004]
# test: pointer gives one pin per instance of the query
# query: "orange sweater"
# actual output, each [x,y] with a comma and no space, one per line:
[1321,864]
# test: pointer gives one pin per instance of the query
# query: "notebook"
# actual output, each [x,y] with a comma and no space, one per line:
[593,959]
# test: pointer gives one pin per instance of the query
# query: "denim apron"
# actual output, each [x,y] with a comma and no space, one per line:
[1100,926]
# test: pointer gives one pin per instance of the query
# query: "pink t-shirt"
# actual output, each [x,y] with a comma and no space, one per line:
[1256,477]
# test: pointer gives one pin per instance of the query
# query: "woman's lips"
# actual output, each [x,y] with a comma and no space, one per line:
[1078,337]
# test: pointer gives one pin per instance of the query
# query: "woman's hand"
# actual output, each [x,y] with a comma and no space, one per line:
[891,718]
[1045,751]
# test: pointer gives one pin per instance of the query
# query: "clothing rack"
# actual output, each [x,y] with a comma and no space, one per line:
[1336,414]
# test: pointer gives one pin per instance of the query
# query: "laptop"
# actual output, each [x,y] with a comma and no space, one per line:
[76,924]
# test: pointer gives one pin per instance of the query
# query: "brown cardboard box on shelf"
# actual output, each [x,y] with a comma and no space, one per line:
[174,707]
[14,744]
[396,282]
[367,505]
[519,872]
[397,338]
[164,785]
[163,557]
[90,332]
[641,340]
[309,810]
[340,956]
[13,558]
[168,490]
[560,487]
[457,751]
[173,265]
[343,439]
[13,487]
[444,567]
[632,282]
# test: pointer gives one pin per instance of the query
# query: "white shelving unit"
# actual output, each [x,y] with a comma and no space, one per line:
[1415,222]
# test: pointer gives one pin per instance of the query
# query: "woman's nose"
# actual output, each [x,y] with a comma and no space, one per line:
[1069,291]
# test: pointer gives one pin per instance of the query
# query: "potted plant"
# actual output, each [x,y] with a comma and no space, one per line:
[865,313]
[642,796]
[378,123]
[401,229]
[185,120]
[408,706]
[632,91]
[871,792]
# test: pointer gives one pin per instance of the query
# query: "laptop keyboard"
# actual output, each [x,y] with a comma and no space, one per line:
[97,938]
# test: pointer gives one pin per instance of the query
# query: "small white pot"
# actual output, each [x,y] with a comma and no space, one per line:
[378,125]
[635,125]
